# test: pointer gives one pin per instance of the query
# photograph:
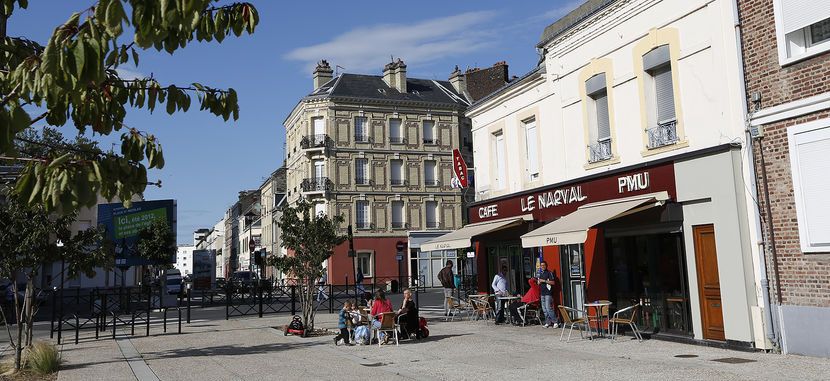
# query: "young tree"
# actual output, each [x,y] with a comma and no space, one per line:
[157,243]
[310,240]
[72,79]
[28,237]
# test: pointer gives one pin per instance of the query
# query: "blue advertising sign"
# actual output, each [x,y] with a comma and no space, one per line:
[123,225]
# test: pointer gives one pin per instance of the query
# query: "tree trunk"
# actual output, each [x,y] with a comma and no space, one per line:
[18,312]
[29,309]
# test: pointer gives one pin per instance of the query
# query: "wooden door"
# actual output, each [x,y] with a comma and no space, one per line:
[708,282]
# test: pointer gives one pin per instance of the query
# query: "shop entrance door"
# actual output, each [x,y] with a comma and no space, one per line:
[708,282]
[573,275]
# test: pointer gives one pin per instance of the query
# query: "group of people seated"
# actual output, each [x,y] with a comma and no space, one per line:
[538,293]
[350,318]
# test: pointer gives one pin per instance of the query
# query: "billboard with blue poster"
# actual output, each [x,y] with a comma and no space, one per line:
[123,225]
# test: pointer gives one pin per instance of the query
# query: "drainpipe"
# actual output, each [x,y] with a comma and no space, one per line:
[770,329]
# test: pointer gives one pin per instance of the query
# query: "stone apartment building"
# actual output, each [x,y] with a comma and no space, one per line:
[233,229]
[378,151]
[786,57]
[272,196]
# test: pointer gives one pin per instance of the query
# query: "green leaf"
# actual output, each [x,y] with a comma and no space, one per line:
[135,57]
[80,55]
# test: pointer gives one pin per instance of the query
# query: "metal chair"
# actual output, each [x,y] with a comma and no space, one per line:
[530,311]
[602,314]
[618,320]
[481,308]
[456,307]
[387,324]
[573,321]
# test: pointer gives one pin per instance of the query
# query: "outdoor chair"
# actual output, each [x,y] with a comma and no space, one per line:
[576,320]
[620,319]
[456,307]
[388,325]
[530,311]
[481,307]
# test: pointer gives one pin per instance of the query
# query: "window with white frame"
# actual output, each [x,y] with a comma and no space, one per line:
[499,159]
[361,131]
[599,120]
[432,215]
[429,132]
[395,132]
[397,215]
[320,209]
[430,175]
[361,170]
[363,262]
[531,151]
[802,28]
[319,137]
[362,214]
[660,105]
[809,144]
[396,172]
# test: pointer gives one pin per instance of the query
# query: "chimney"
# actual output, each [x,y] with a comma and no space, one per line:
[458,81]
[394,74]
[322,74]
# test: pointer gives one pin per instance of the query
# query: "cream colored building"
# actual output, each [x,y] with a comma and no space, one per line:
[272,196]
[378,151]
[624,151]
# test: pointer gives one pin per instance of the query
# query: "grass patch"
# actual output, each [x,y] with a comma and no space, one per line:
[43,358]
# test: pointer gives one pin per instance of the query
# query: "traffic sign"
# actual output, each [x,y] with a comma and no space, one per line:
[400,246]
[251,245]
[459,167]
[399,257]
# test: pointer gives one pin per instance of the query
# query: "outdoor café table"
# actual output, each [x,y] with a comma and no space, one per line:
[505,302]
[598,309]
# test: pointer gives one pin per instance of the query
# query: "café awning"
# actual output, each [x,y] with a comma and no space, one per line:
[573,228]
[462,238]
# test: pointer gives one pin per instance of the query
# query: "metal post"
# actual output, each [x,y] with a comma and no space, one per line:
[164,314]
[150,307]
[259,291]
[188,304]
[293,299]
[331,298]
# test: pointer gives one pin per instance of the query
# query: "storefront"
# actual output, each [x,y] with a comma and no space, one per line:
[643,235]
[425,265]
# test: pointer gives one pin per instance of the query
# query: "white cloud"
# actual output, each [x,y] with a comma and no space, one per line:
[129,73]
[367,49]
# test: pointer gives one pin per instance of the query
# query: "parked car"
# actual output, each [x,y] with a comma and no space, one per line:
[173,281]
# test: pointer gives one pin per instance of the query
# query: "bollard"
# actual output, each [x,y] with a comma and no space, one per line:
[331,298]
[260,298]
[113,325]
[227,302]
[180,321]
[293,299]
[165,318]
[77,329]
[188,306]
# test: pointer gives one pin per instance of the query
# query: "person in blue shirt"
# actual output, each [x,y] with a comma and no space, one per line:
[547,281]
[343,322]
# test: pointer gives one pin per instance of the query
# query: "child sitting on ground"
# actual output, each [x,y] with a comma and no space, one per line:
[343,322]
[361,330]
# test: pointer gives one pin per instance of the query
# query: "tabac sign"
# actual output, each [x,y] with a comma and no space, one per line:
[557,200]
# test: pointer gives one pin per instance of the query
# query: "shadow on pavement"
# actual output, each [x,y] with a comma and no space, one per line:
[226,350]
[442,337]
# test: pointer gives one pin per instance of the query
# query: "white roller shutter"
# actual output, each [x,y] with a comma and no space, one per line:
[603,123]
[811,186]
[664,94]
[797,14]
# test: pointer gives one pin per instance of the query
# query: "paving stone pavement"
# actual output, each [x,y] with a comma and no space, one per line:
[212,348]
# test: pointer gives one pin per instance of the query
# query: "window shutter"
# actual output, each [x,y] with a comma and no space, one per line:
[319,126]
[360,127]
[812,187]
[429,171]
[656,57]
[603,123]
[797,14]
[532,154]
[501,175]
[362,212]
[432,212]
[664,94]
[360,168]
[395,128]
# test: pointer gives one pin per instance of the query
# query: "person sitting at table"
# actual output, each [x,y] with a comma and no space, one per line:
[499,286]
[379,306]
[408,315]
[533,295]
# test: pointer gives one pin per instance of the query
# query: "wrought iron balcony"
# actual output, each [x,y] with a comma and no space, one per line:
[433,225]
[363,139]
[317,184]
[399,225]
[316,141]
[364,225]
[363,181]
[432,182]
[397,140]
[398,182]
[599,151]
[432,141]
[662,135]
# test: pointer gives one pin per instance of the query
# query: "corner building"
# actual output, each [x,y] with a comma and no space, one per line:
[620,161]
[378,151]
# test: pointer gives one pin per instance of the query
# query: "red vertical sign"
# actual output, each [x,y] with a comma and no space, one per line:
[460,167]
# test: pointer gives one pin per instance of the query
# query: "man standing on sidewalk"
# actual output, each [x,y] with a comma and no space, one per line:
[447,280]
[546,282]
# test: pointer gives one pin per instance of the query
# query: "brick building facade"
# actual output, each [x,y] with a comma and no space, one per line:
[786,54]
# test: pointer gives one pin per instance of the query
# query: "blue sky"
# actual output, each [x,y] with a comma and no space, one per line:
[208,161]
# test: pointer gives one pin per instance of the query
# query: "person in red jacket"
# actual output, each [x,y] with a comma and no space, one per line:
[379,306]
[533,295]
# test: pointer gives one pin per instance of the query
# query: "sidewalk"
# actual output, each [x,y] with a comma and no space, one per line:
[212,348]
